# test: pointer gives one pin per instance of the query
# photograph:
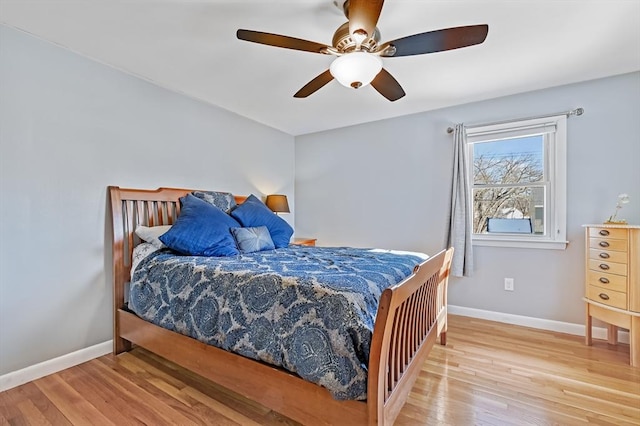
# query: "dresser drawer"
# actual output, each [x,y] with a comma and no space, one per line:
[608,255]
[607,297]
[607,281]
[608,244]
[616,233]
[608,267]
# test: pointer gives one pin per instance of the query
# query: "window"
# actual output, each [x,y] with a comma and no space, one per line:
[518,183]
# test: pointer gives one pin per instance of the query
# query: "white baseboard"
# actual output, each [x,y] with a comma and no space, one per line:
[27,374]
[542,324]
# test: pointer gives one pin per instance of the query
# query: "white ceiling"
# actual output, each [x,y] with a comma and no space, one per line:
[190,47]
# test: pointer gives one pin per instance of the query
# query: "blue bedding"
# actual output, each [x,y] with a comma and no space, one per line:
[310,310]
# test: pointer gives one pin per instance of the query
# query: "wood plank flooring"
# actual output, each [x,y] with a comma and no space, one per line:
[488,374]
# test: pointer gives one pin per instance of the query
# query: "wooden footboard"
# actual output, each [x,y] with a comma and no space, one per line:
[410,317]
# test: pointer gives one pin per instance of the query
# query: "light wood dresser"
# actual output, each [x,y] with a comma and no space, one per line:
[612,286]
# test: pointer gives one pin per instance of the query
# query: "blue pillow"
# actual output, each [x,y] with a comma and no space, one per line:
[202,229]
[253,212]
[253,239]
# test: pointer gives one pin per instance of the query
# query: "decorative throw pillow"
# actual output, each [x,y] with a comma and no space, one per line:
[254,212]
[253,239]
[202,229]
[151,234]
[225,201]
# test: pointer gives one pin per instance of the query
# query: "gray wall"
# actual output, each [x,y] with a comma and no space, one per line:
[68,128]
[387,184]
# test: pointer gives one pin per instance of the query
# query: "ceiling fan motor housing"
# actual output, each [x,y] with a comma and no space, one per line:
[344,42]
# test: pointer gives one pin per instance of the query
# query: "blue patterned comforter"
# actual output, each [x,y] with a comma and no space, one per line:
[310,310]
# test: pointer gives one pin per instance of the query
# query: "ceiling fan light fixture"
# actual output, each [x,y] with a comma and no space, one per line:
[356,69]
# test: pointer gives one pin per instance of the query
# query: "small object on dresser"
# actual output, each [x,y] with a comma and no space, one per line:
[622,199]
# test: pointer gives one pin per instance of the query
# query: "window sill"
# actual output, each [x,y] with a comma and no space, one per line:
[520,243]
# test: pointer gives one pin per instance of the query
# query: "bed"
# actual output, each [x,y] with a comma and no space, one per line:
[410,316]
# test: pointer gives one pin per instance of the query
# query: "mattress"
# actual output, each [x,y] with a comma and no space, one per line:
[310,310]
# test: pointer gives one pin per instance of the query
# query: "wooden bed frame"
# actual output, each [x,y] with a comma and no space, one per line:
[410,317]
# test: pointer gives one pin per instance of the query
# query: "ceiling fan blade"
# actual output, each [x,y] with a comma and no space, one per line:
[435,41]
[315,84]
[281,41]
[363,16]
[387,86]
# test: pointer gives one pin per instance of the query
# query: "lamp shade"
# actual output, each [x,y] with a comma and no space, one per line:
[277,203]
[355,69]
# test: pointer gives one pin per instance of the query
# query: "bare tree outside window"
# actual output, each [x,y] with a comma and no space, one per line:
[508,182]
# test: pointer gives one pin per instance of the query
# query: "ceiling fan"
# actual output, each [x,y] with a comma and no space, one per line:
[356,45]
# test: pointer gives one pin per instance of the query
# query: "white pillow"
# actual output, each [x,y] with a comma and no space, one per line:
[152,234]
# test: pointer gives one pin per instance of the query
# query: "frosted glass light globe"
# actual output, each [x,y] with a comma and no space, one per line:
[355,69]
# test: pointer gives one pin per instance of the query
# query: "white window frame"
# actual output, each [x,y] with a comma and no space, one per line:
[555,152]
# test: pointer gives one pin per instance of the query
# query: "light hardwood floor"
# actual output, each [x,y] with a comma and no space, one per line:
[488,374]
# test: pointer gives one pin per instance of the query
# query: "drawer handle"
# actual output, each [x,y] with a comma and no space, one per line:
[604,255]
[604,266]
[604,280]
[604,296]
[603,244]
[603,232]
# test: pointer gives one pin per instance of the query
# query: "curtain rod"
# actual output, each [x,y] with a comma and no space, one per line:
[576,112]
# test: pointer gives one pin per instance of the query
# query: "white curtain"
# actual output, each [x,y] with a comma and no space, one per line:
[459,236]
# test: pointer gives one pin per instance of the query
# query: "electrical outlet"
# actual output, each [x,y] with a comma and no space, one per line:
[508,284]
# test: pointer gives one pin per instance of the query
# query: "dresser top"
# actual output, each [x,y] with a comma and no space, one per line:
[612,225]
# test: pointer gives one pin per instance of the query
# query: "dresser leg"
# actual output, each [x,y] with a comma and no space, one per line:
[634,341]
[587,328]
[612,334]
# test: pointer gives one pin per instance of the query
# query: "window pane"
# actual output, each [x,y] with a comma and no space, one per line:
[519,202]
[517,160]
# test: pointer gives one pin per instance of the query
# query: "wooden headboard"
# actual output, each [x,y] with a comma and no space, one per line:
[131,208]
